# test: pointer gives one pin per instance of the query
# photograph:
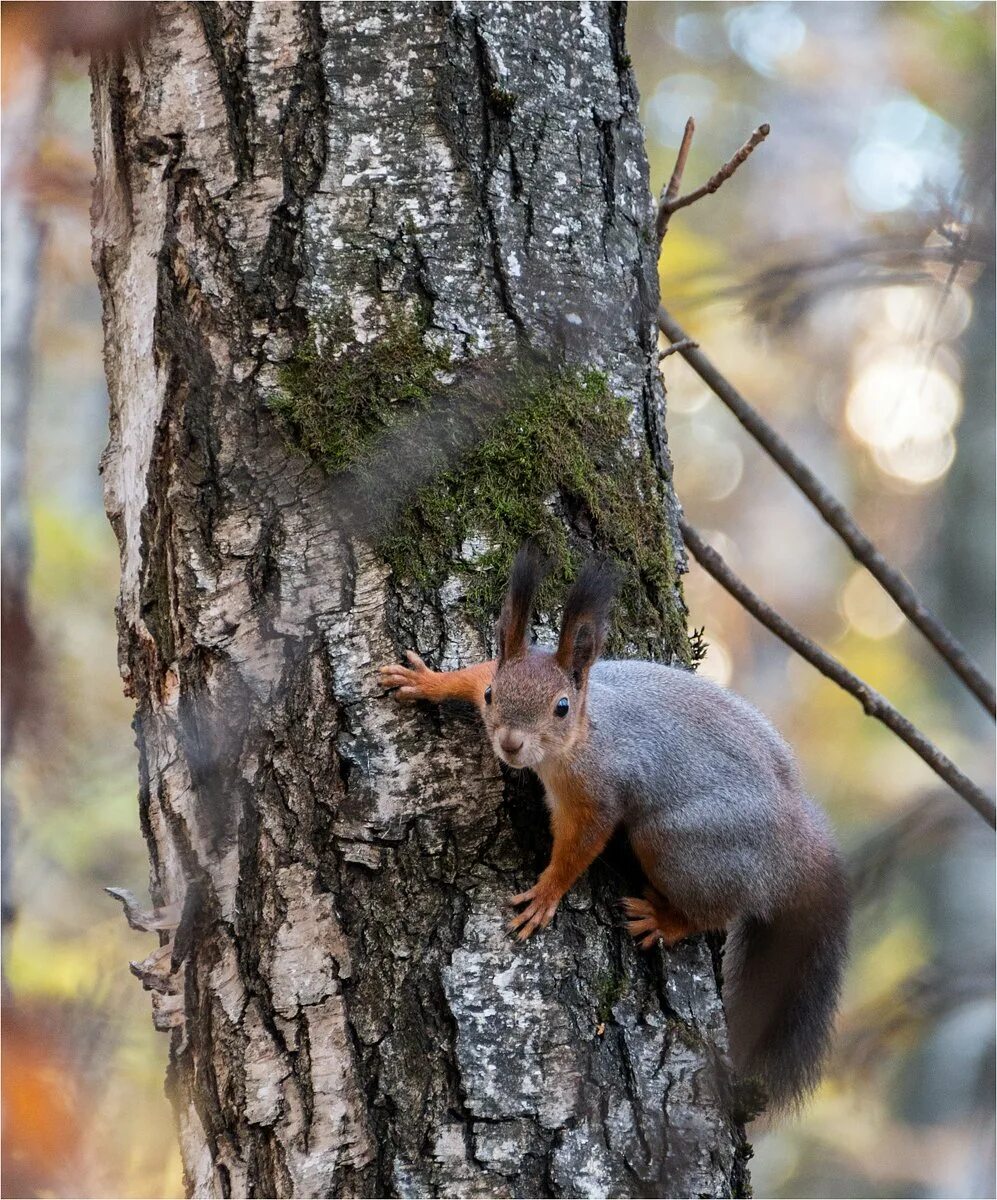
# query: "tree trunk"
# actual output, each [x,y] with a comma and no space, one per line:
[379,290]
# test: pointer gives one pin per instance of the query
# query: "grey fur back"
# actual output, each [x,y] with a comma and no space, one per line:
[706,777]
[713,802]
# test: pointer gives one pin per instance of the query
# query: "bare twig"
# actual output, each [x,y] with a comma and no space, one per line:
[676,347]
[837,517]
[672,190]
[672,203]
[872,702]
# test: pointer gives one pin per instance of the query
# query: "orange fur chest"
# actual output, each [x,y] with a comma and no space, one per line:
[565,791]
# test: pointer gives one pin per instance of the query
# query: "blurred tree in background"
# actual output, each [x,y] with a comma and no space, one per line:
[878,367]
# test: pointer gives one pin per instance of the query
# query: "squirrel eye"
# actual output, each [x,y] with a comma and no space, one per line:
[488,695]
[561,707]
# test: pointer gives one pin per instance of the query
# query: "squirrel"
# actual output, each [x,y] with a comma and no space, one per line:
[709,794]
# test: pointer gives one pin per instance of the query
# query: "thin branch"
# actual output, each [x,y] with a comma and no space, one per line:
[837,517]
[676,347]
[671,204]
[672,190]
[872,702]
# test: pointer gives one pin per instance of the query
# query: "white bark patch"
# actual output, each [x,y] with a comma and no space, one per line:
[517,1051]
[197,1161]
[227,985]
[266,1068]
[309,956]
[338,1134]
[141,387]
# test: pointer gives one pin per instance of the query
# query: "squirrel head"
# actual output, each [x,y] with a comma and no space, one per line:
[535,706]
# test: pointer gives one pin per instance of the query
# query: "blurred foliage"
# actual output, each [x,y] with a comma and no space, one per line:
[85,1113]
[882,119]
[108,1122]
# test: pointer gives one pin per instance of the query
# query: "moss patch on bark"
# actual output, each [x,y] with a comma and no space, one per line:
[528,452]
[339,397]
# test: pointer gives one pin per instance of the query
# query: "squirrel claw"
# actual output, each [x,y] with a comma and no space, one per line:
[526,928]
[409,682]
[538,914]
[643,922]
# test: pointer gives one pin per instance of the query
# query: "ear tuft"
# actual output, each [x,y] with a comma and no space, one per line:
[528,572]
[586,618]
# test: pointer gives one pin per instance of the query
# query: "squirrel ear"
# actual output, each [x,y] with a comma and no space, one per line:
[586,619]
[527,574]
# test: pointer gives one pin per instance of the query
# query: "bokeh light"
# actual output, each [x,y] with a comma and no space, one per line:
[917,461]
[867,608]
[675,98]
[765,34]
[918,312]
[907,155]
[905,412]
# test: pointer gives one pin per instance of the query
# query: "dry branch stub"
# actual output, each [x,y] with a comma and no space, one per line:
[671,201]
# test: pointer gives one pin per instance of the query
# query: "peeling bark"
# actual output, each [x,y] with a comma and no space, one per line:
[347,1014]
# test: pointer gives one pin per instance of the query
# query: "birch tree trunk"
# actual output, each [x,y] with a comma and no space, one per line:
[309,220]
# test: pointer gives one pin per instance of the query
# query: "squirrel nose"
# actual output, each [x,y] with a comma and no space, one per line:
[511,743]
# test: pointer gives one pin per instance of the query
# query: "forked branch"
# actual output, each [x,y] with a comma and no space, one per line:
[671,201]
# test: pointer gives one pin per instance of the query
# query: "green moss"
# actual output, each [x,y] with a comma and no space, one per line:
[698,647]
[339,397]
[503,101]
[501,454]
[610,988]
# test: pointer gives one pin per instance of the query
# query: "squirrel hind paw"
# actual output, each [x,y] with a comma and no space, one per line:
[652,922]
[642,923]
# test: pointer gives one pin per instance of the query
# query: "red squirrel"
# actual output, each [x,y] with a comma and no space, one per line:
[706,789]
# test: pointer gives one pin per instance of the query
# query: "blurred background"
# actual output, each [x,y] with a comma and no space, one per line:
[820,280]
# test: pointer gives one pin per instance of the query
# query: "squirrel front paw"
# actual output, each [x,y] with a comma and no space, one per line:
[411,683]
[541,904]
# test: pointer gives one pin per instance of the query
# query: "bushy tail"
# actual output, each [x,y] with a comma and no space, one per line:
[782,979]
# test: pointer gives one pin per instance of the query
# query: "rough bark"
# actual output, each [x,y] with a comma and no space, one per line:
[348,1015]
